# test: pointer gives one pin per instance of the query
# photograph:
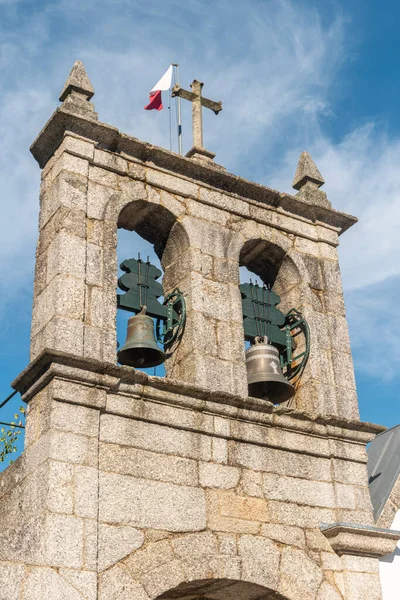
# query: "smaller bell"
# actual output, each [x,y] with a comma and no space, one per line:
[264,373]
[140,349]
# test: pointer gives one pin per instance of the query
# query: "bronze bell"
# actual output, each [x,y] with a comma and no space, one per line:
[264,373]
[140,349]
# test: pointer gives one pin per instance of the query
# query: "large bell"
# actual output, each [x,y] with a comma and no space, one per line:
[140,349]
[264,374]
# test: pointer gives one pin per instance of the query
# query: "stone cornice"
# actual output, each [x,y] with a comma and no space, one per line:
[128,382]
[360,540]
[112,139]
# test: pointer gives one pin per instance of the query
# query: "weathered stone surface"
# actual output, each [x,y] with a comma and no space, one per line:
[71,163]
[345,497]
[306,171]
[302,516]
[346,471]
[195,545]
[278,461]
[86,491]
[218,476]
[91,543]
[148,559]
[84,581]
[297,490]
[63,541]
[260,560]
[284,534]
[47,583]
[79,81]
[170,183]
[163,578]
[153,504]
[362,564]
[85,395]
[60,496]
[116,542]
[328,592]
[77,145]
[331,561]
[227,544]
[300,577]
[152,437]
[349,538]
[116,584]
[150,465]
[11,577]
[252,483]
[362,586]
[73,448]
[217,521]
[241,507]
[67,256]
[109,160]
[316,540]
[77,419]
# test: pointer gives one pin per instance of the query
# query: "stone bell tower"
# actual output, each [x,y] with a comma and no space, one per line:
[134,487]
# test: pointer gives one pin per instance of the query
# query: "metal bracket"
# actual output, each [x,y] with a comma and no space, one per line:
[295,324]
[139,282]
[171,329]
[261,317]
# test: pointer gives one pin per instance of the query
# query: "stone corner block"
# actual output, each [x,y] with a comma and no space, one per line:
[360,540]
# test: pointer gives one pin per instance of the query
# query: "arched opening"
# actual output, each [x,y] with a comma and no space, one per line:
[274,267]
[131,245]
[262,258]
[153,222]
[269,303]
[220,589]
[146,230]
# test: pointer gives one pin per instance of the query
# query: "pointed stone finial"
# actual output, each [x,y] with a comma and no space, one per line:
[77,81]
[307,180]
[307,171]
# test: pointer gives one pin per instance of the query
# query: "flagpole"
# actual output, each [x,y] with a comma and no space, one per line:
[179,110]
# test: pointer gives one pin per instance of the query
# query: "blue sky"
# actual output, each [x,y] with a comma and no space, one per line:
[292,75]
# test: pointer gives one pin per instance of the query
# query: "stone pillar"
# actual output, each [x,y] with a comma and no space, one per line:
[73,290]
[328,384]
[211,352]
[61,258]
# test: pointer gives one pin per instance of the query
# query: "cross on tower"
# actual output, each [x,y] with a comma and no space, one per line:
[197,101]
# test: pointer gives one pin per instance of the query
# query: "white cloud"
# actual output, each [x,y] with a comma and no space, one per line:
[362,178]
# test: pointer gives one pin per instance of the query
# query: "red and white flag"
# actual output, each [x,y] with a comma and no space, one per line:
[163,85]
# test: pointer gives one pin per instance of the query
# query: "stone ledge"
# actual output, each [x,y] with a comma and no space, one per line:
[110,138]
[126,381]
[360,540]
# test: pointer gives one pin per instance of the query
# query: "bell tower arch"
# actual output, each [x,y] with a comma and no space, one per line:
[149,487]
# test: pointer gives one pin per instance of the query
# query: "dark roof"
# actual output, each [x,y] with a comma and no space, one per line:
[383,467]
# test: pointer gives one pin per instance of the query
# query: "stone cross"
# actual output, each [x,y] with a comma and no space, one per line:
[197,101]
